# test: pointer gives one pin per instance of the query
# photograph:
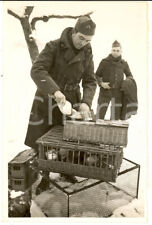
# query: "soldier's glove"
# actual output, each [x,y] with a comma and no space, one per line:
[85,111]
[59,97]
[105,85]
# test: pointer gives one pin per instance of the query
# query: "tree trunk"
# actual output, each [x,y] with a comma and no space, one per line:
[31,43]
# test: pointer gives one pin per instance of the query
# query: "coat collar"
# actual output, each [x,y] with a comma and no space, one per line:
[69,55]
[112,59]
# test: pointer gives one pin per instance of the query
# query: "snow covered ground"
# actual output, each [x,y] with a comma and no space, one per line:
[124,21]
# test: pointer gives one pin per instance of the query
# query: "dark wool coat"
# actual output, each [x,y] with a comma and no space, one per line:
[113,70]
[129,98]
[59,67]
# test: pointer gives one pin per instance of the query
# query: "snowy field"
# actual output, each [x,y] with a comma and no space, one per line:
[124,21]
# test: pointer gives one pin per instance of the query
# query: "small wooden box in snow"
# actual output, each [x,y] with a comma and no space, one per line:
[20,173]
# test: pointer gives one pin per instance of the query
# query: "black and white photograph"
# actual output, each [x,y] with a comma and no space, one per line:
[75,97]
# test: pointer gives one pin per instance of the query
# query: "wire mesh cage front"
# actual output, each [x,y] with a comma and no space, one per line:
[79,159]
[103,165]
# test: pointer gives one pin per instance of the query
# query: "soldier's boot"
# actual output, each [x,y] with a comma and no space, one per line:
[44,184]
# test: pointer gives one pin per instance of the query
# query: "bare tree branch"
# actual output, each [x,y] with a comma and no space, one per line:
[13,14]
[46,18]
[29,27]
[28,10]
[30,40]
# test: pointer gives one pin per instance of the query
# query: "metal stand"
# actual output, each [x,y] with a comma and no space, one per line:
[76,191]
[69,193]
[136,166]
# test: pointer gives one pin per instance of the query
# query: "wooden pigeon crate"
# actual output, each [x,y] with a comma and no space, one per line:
[78,159]
[99,132]
[20,173]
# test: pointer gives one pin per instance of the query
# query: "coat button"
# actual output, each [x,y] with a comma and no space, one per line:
[62,45]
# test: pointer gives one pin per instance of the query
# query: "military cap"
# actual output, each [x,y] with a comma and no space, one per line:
[85,25]
[116,44]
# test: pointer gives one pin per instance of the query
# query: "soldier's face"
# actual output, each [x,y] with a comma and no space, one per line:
[116,52]
[80,40]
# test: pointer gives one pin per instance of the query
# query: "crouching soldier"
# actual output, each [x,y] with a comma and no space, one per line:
[57,72]
[110,75]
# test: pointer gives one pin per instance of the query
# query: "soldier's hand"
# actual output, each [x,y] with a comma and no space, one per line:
[59,97]
[85,111]
[105,85]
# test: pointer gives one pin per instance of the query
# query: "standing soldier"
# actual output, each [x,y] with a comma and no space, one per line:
[57,72]
[110,75]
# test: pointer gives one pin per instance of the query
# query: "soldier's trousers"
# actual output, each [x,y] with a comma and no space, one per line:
[105,97]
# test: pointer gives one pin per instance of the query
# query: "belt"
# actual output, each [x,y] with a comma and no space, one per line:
[71,87]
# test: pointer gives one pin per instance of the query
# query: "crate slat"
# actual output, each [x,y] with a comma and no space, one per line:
[78,170]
